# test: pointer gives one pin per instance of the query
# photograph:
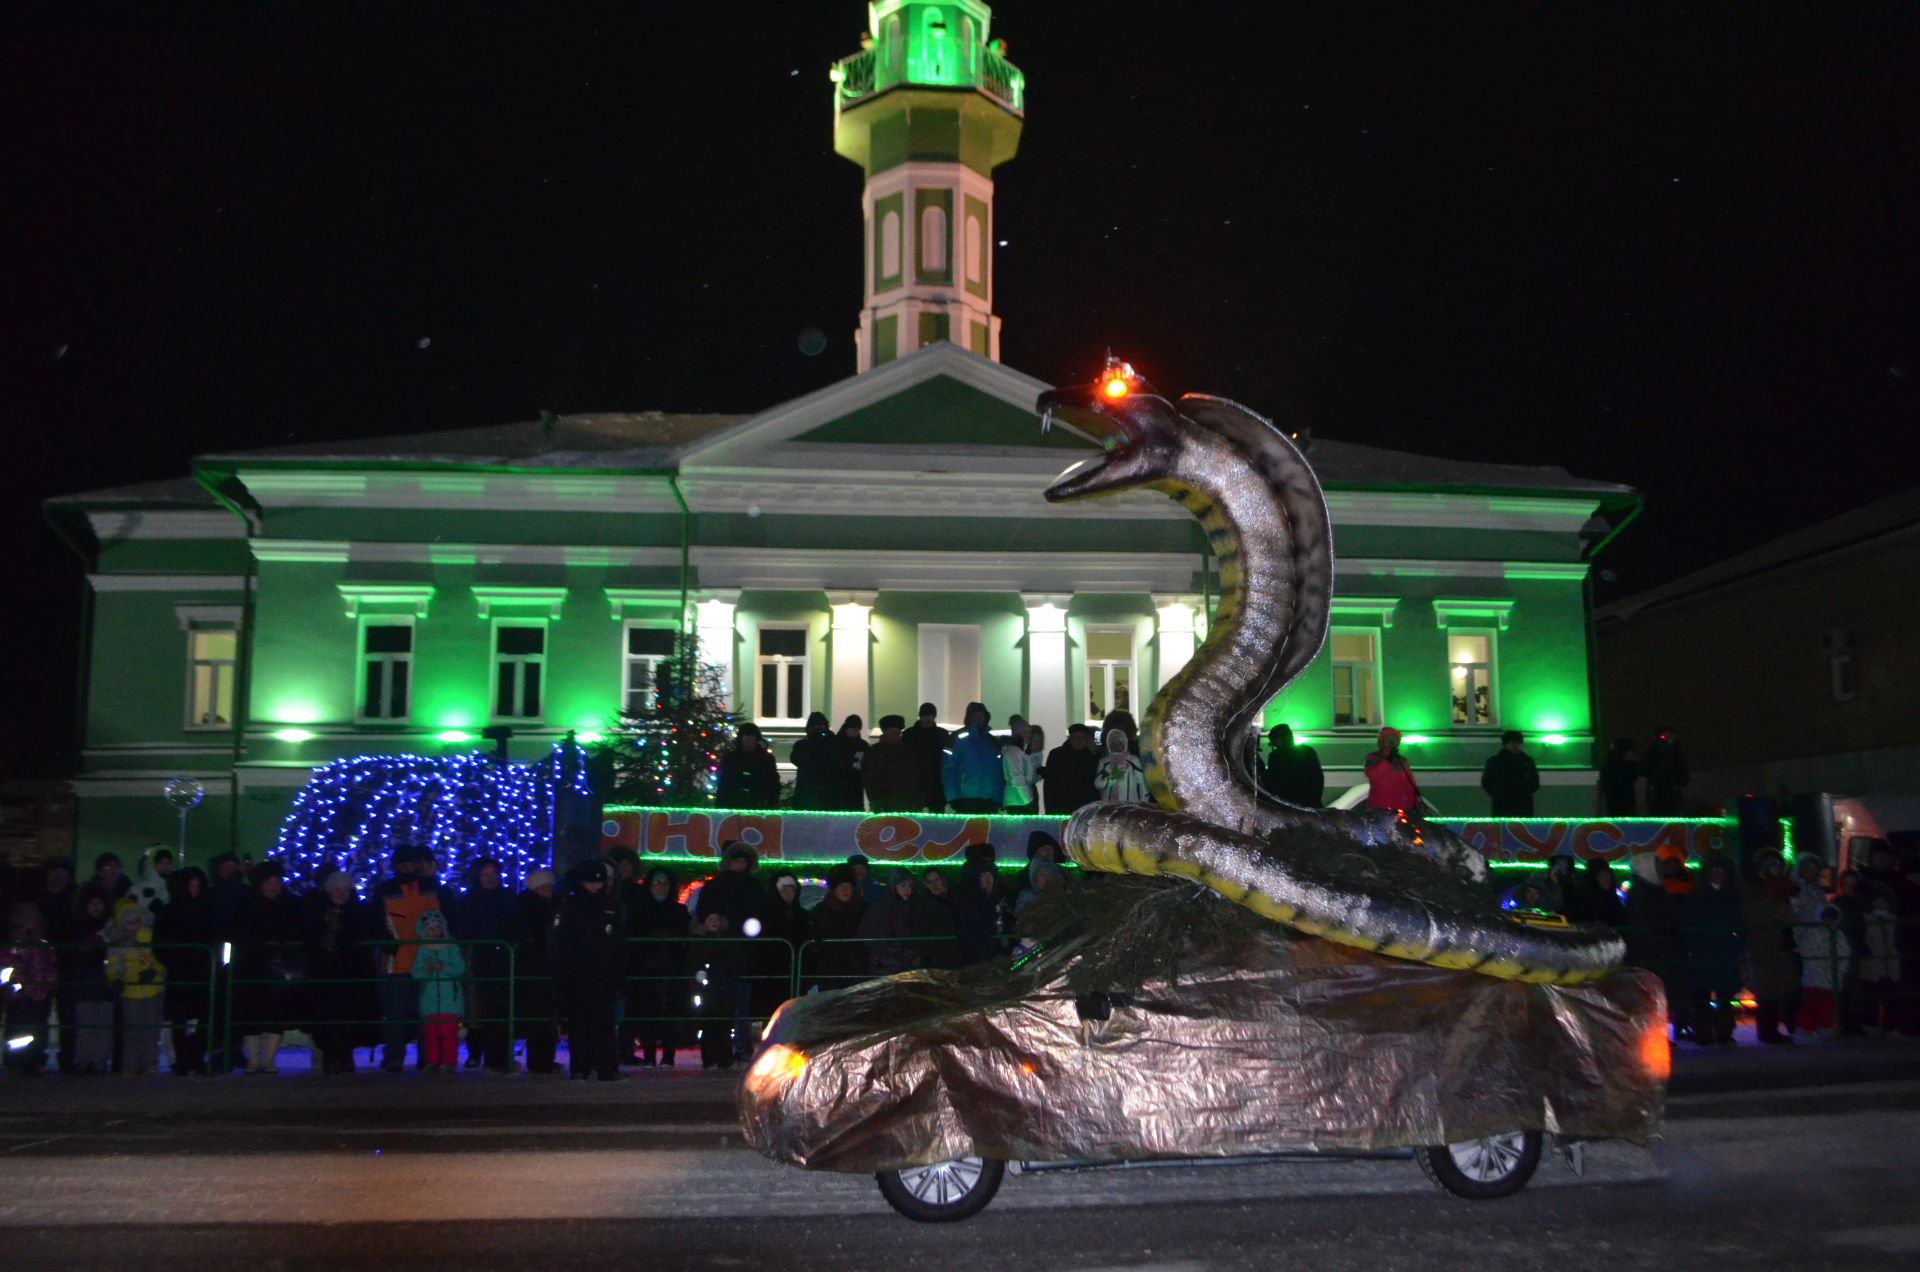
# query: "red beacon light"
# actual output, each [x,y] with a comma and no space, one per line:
[1118,379]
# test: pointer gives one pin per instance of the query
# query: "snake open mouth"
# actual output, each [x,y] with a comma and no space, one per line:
[1127,417]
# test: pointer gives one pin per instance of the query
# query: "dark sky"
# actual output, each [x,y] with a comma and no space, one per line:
[1670,245]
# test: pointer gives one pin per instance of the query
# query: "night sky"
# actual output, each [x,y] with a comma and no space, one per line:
[1668,245]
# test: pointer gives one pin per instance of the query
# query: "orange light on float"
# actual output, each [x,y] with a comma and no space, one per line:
[1656,1056]
[777,1066]
[1116,386]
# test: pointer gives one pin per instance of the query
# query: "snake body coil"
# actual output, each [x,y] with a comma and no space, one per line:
[1267,526]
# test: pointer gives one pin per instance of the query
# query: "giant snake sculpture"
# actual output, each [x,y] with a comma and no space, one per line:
[1267,525]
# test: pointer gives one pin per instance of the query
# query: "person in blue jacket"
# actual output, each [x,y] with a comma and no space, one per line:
[972,770]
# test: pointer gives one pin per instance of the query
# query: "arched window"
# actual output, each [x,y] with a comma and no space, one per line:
[933,241]
[975,243]
[890,245]
[893,48]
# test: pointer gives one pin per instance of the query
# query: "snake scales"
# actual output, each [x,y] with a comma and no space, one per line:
[1266,523]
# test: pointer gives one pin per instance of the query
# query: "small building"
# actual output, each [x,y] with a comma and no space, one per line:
[869,546]
[1790,669]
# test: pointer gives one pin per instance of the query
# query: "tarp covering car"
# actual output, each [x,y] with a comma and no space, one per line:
[1262,1042]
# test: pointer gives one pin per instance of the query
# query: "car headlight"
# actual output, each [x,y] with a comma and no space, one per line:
[776,1066]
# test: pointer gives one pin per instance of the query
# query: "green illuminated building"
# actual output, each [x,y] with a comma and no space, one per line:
[874,544]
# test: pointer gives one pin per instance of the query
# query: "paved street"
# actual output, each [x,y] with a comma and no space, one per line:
[1768,1160]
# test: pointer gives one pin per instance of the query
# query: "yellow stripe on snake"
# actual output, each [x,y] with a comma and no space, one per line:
[1266,523]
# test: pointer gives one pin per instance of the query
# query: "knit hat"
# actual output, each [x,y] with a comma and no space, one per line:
[787,881]
[838,875]
[661,872]
[537,879]
[264,871]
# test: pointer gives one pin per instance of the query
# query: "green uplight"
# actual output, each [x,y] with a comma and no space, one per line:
[294,735]
[1413,739]
[1554,739]
[453,735]
[589,736]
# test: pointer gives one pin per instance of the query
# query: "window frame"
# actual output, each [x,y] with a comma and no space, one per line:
[1492,666]
[1374,664]
[944,697]
[362,659]
[1106,665]
[628,658]
[521,660]
[231,665]
[786,662]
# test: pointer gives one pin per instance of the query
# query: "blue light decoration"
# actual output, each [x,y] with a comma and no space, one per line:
[352,813]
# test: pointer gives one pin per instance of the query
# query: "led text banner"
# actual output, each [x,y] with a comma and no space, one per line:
[802,836]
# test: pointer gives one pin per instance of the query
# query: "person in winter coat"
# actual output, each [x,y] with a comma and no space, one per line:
[748,776]
[1654,938]
[784,928]
[534,1012]
[1020,761]
[1390,783]
[587,963]
[818,761]
[895,777]
[1292,773]
[108,880]
[929,742]
[226,889]
[336,931]
[836,919]
[1042,876]
[870,889]
[1592,898]
[1618,776]
[972,771]
[1773,965]
[851,743]
[892,926]
[718,963]
[1120,779]
[139,978]
[978,904]
[84,989]
[1510,777]
[1070,770]
[184,940]
[399,902]
[733,893]
[1878,964]
[268,966]
[1826,975]
[654,967]
[484,918]
[27,998]
[1123,721]
[1713,919]
[1665,769]
[439,969]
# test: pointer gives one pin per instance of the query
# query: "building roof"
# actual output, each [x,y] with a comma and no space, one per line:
[1896,514]
[179,492]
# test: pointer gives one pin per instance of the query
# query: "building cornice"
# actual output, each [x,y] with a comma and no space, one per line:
[812,569]
[340,551]
[119,527]
[167,582]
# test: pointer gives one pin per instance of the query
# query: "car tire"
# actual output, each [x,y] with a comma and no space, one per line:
[945,1191]
[1485,1168]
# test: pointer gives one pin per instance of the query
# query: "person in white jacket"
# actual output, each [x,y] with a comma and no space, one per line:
[1121,779]
[1022,767]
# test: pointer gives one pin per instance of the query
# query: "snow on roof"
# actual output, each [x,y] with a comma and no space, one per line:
[622,439]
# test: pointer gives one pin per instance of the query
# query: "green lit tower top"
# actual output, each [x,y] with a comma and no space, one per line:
[928,108]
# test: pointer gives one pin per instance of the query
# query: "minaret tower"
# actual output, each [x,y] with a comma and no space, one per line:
[928,108]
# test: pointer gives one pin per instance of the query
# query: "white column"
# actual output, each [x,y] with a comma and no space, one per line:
[714,636]
[1175,634]
[847,691]
[1047,703]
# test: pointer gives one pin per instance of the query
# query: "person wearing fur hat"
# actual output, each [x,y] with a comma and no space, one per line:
[894,924]
[533,996]
[335,928]
[439,969]
[894,775]
[1390,783]
[139,978]
[587,966]
[268,963]
[818,759]
[749,778]
[483,915]
[972,768]
[837,919]
[654,967]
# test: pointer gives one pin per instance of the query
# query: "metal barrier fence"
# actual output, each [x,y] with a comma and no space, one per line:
[675,984]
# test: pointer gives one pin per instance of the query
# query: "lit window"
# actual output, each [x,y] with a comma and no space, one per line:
[1356,678]
[519,668]
[210,660]
[890,245]
[1470,676]
[1109,671]
[648,649]
[782,665]
[386,668]
[949,667]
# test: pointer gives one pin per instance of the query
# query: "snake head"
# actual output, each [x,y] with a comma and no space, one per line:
[1138,431]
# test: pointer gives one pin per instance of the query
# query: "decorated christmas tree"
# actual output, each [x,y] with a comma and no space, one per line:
[669,752]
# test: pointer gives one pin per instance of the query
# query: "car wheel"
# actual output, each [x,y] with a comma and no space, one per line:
[944,1191]
[1485,1168]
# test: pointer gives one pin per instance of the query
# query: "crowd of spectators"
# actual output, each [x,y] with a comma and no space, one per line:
[1813,952]
[209,970]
